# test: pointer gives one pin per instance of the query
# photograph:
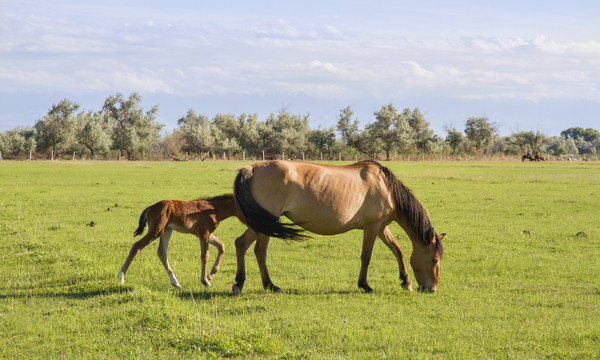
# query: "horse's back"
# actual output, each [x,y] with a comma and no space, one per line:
[324,199]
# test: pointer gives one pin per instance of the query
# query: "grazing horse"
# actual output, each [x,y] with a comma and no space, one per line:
[199,217]
[328,200]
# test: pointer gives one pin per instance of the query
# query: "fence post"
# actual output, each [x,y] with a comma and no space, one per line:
[321,156]
[29,154]
[0,155]
[52,155]
[339,156]
[244,155]
[73,155]
[303,156]
[263,154]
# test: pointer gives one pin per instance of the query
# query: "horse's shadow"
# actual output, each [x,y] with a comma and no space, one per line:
[75,295]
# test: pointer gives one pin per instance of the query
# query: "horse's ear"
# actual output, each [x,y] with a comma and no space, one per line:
[441,236]
[431,235]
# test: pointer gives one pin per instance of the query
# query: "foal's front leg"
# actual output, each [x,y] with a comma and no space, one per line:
[204,257]
[213,240]
[162,255]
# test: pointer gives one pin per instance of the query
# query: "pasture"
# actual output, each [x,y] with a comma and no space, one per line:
[516,280]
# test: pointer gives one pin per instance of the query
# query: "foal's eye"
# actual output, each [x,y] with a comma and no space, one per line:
[435,261]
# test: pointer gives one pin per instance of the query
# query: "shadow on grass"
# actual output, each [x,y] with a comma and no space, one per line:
[79,293]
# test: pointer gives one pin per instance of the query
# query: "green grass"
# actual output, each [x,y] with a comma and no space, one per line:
[516,281]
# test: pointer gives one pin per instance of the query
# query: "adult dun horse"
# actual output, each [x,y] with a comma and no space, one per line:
[328,200]
[199,217]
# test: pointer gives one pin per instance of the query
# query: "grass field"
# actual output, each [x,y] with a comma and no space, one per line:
[516,280]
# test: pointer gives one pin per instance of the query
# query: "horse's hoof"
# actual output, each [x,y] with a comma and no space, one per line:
[177,286]
[210,277]
[236,290]
[121,277]
[206,283]
[407,287]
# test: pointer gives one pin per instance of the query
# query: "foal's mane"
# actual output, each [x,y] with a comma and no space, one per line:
[224,197]
[408,204]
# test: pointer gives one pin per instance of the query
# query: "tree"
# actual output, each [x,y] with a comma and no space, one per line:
[56,130]
[134,130]
[588,134]
[321,141]
[94,132]
[286,133]
[422,135]
[455,140]
[248,136]
[195,133]
[480,133]
[17,141]
[390,131]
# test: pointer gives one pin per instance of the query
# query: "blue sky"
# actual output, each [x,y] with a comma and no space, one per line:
[524,65]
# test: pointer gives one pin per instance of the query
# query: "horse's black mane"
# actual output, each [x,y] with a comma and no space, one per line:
[411,208]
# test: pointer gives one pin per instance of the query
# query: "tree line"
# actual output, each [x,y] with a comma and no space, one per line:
[123,128]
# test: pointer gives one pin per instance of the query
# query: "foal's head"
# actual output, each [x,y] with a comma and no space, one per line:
[425,261]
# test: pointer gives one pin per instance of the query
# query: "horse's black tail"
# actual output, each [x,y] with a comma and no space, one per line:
[257,217]
[143,220]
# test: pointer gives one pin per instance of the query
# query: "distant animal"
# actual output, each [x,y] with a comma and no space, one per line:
[328,200]
[199,217]
[527,157]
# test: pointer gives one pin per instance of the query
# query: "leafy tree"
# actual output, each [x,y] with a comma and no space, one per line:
[286,133]
[195,133]
[588,134]
[134,130]
[455,140]
[421,133]
[480,133]
[56,130]
[248,136]
[321,141]
[94,132]
[390,131]
[17,141]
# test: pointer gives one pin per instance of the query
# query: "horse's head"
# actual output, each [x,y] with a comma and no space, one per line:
[425,261]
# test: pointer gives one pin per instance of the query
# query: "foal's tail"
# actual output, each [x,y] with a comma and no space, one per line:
[143,220]
[257,217]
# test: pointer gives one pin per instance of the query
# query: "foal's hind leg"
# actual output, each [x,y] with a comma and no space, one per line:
[221,249]
[162,255]
[386,236]
[135,249]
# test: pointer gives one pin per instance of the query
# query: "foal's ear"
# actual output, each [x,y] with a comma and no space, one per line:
[441,236]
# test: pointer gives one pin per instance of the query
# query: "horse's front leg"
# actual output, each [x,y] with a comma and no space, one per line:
[221,249]
[260,250]
[388,239]
[369,235]
[242,244]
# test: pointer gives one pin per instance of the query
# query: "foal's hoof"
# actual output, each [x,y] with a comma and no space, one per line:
[121,277]
[366,288]
[407,287]
[273,288]
[206,283]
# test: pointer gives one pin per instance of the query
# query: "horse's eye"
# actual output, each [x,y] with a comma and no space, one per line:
[435,261]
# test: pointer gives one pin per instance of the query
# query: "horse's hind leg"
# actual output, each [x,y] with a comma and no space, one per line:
[386,236]
[135,249]
[260,250]
[242,244]
[221,249]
